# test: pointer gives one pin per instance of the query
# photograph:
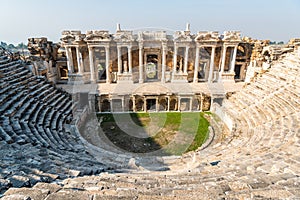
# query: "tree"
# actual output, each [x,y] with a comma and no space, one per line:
[272,42]
[21,46]
[11,46]
[3,44]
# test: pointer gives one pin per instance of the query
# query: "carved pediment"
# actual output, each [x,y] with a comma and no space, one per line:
[183,36]
[79,38]
[232,35]
[123,36]
[207,36]
[97,36]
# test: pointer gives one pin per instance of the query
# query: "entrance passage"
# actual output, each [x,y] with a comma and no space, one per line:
[237,71]
[63,70]
[151,104]
[151,67]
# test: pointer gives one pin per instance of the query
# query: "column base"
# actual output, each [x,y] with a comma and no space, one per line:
[141,80]
[227,77]
[125,78]
[182,78]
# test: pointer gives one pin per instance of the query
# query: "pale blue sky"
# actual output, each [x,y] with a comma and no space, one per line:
[263,19]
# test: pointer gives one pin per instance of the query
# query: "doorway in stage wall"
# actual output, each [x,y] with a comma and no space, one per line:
[151,104]
[237,71]
[63,72]
[151,68]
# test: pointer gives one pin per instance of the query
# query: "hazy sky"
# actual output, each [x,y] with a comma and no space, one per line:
[263,19]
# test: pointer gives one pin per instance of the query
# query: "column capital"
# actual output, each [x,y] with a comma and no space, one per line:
[141,45]
[164,49]
[199,45]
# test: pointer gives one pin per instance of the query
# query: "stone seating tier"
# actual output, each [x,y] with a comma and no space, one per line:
[259,159]
[33,114]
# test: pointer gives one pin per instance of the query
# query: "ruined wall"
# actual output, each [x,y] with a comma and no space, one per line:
[44,57]
[264,54]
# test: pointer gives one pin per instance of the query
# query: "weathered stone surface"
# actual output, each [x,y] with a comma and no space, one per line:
[16,197]
[32,193]
[20,181]
[4,184]
[259,157]
[69,195]
[52,188]
[74,173]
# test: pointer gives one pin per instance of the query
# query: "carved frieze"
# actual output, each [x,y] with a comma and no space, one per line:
[152,36]
[123,36]
[69,37]
[232,36]
[207,36]
[97,35]
[183,36]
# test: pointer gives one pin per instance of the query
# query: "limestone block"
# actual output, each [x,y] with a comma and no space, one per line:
[70,195]
[29,193]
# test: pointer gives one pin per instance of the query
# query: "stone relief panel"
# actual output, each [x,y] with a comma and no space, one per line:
[123,36]
[232,35]
[207,36]
[96,35]
[183,36]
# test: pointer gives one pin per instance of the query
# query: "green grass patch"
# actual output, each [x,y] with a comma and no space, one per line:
[178,132]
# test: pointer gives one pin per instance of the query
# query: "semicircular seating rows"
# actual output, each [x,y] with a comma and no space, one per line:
[36,143]
[259,159]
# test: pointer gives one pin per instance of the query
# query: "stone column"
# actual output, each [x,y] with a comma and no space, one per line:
[92,68]
[156,105]
[186,57]
[110,104]
[79,60]
[223,59]
[179,104]
[145,104]
[99,103]
[211,66]
[133,104]
[174,61]
[119,60]
[69,59]
[168,104]
[163,70]
[201,102]
[141,77]
[107,64]
[123,104]
[222,63]
[233,59]
[129,60]
[191,103]
[196,65]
